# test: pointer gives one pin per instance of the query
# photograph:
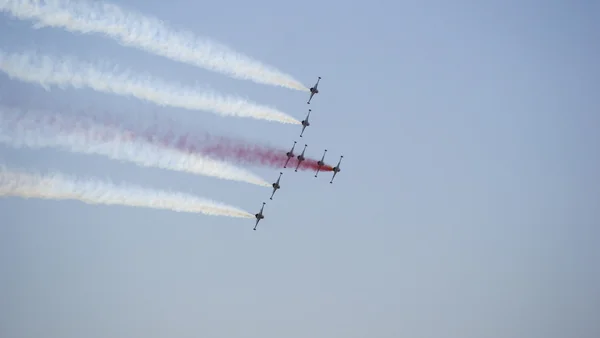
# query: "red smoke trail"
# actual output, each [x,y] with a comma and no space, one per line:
[229,150]
[237,151]
[164,133]
[170,134]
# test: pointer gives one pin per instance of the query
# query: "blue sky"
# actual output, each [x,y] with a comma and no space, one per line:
[467,205]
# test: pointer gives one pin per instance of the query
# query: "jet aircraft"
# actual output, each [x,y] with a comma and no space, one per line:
[301,158]
[289,155]
[336,169]
[314,90]
[259,216]
[321,163]
[305,123]
[276,185]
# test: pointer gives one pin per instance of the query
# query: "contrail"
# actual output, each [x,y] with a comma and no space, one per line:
[47,71]
[59,187]
[150,34]
[35,129]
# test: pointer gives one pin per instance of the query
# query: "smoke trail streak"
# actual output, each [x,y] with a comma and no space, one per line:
[60,187]
[236,151]
[46,71]
[172,134]
[34,129]
[146,33]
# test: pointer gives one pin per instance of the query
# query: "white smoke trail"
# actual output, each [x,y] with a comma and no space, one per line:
[47,71]
[34,129]
[146,33]
[60,187]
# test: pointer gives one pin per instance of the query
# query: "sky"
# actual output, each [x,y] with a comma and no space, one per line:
[467,205]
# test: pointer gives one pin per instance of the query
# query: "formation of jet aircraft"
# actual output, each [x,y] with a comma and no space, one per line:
[290,154]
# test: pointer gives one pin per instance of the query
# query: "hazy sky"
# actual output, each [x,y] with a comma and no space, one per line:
[468,204]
